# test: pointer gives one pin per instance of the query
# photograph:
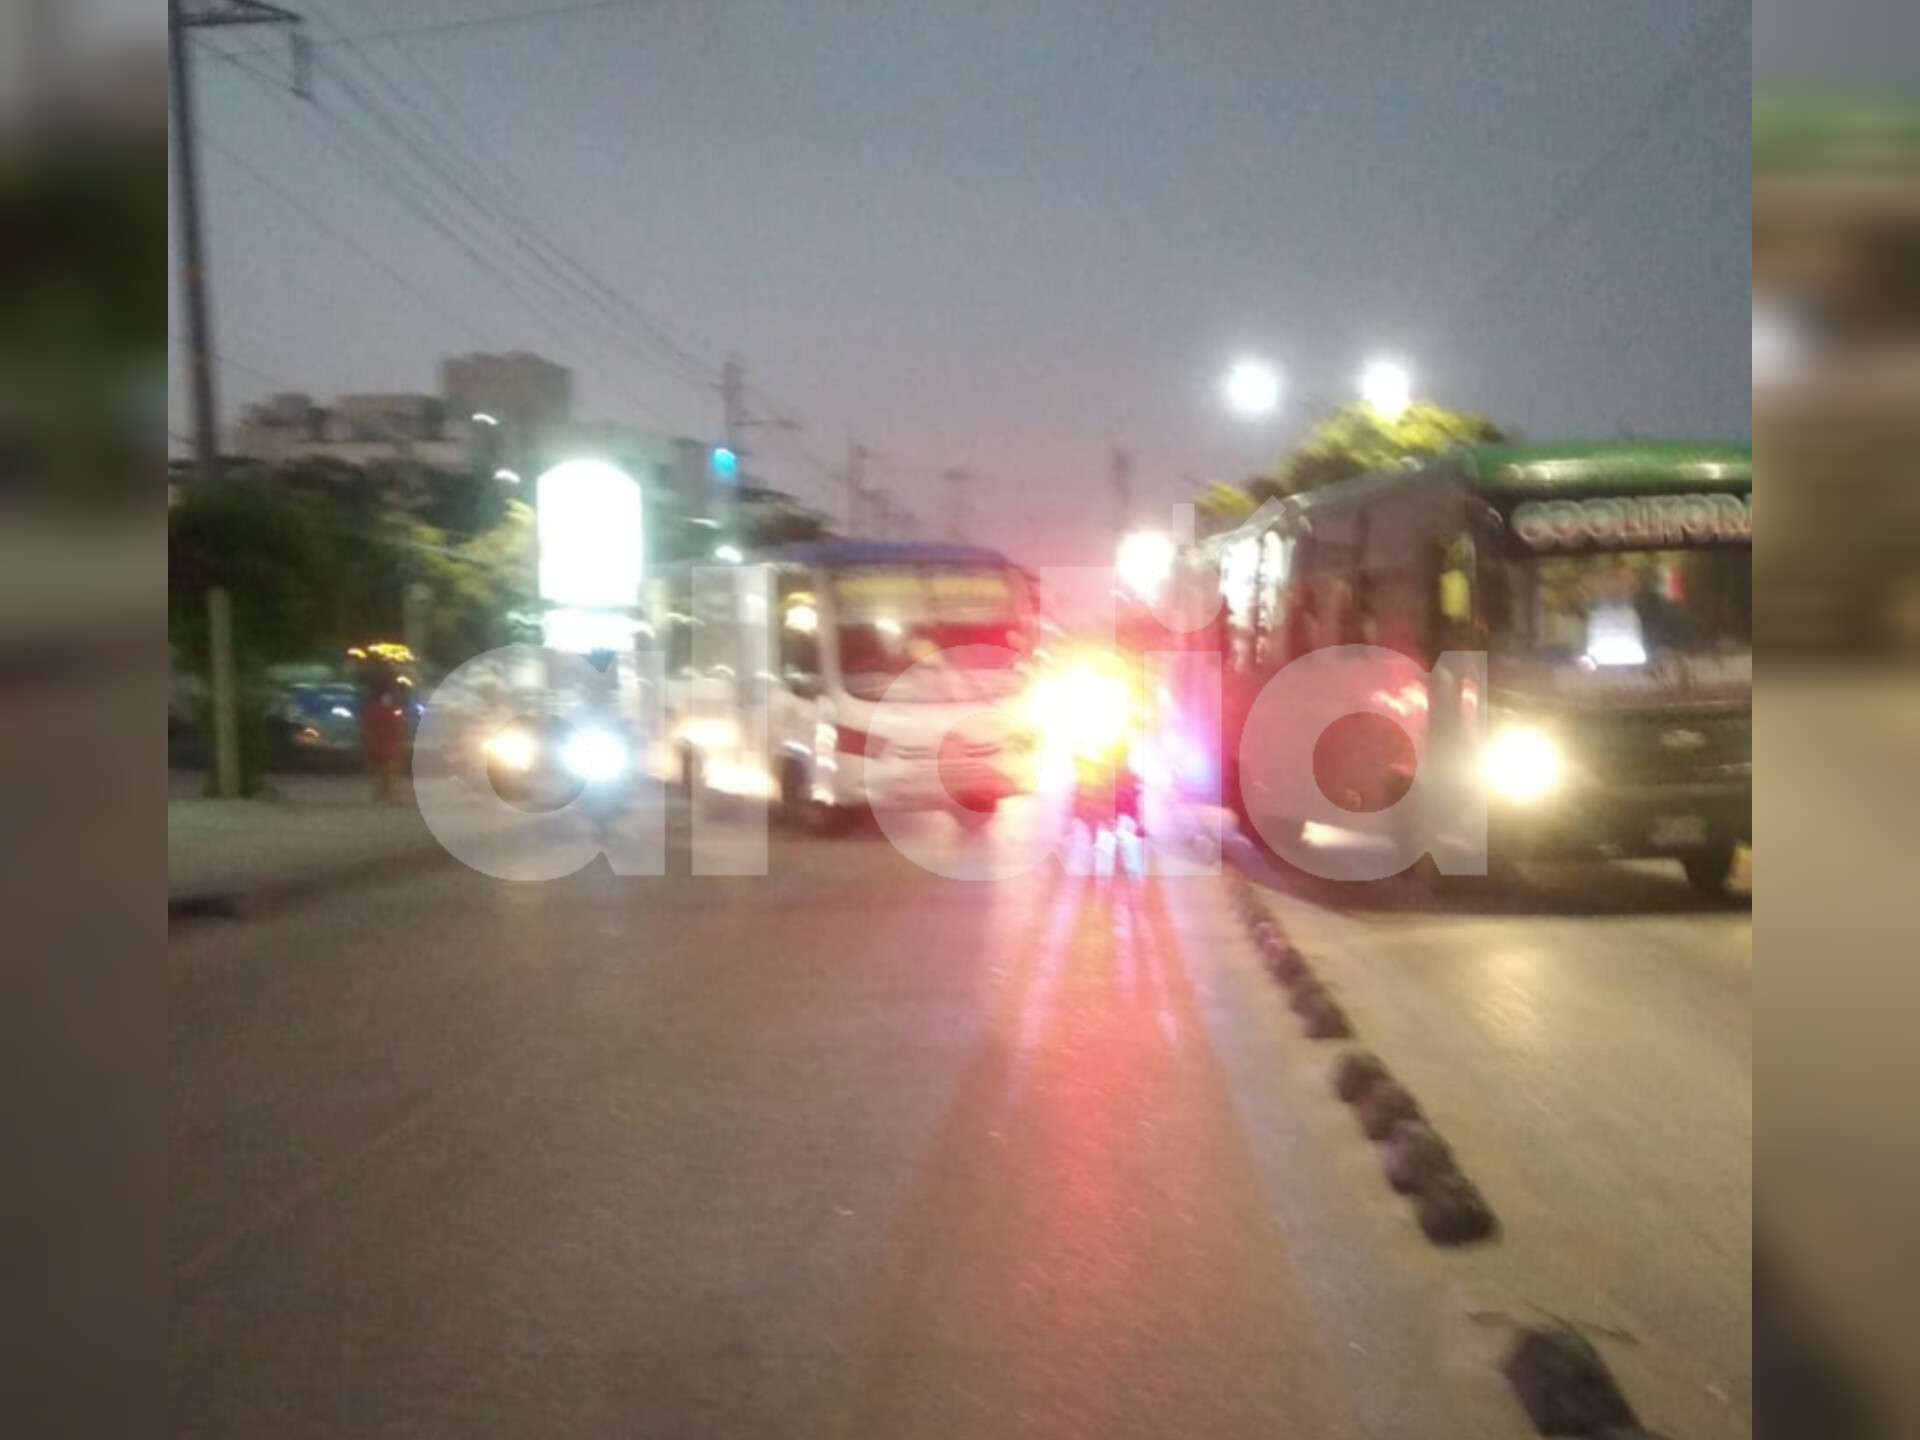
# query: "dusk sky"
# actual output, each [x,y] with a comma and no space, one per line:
[1010,234]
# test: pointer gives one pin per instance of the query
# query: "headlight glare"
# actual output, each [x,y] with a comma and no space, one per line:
[1522,764]
[595,755]
[513,750]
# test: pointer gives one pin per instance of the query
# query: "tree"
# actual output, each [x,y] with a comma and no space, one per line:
[1357,439]
[1223,507]
[262,546]
[481,591]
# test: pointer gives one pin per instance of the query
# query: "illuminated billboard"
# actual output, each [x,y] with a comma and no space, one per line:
[591,537]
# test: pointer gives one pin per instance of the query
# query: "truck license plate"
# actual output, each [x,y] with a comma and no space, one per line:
[1679,831]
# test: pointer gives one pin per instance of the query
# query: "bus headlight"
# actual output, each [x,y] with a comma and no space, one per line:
[1522,764]
[595,755]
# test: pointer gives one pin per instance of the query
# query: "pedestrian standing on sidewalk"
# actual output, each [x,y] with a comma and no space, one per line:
[382,721]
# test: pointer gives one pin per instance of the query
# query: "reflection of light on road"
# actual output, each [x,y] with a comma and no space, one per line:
[1040,990]
[1507,995]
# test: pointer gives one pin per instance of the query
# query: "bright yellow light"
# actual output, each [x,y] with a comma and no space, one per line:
[1087,708]
[1522,765]
[513,750]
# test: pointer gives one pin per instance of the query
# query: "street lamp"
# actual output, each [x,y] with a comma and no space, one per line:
[1252,388]
[1387,388]
[1145,561]
[507,477]
[492,422]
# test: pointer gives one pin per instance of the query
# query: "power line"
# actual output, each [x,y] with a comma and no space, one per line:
[1592,180]
[356,147]
[411,188]
[321,223]
[509,239]
[438,172]
[506,209]
[480,22]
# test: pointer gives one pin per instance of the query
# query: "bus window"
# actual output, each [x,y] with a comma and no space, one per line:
[1276,555]
[1239,582]
[1619,608]
[1391,610]
[1453,595]
[799,632]
[1303,599]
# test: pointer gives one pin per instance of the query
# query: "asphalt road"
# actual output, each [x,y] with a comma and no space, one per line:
[853,1150]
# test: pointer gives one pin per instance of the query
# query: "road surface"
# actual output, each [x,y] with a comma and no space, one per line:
[852,1150]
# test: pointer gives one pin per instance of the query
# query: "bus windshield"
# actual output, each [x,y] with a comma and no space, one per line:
[1618,608]
[890,618]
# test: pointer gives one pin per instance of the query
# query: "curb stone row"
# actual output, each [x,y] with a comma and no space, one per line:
[1559,1378]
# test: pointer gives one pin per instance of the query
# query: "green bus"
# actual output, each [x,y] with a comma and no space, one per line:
[1561,637]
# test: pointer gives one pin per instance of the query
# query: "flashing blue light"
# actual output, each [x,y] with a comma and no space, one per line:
[726,464]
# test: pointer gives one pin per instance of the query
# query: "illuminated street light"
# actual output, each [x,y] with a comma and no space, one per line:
[1387,388]
[480,417]
[1145,561]
[1253,388]
[507,477]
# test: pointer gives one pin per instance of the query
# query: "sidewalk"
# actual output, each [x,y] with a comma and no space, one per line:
[317,831]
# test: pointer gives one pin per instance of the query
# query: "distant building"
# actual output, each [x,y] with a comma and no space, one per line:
[528,396]
[495,413]
[357,430]
[505,417]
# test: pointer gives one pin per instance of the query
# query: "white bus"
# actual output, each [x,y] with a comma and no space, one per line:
[836,676]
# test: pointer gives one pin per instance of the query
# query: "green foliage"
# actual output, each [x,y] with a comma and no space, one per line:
[319,556]
[1357,440]
[482,591]
[1222,508]
[266,550]
[1352,441]
[268,553]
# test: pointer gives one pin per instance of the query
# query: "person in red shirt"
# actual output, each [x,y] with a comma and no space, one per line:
[382,731]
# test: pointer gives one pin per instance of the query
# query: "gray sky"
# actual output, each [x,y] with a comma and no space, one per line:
[1008,234]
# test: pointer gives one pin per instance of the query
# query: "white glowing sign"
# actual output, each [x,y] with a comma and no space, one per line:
[590,531]
[1635,520]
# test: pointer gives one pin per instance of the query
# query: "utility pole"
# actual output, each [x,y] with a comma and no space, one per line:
[855,480]
[735,421]
[959,480]
[181,18]
[733,403]
[1122,490]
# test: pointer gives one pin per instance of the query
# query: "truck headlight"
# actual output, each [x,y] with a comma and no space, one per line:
[1522,764]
